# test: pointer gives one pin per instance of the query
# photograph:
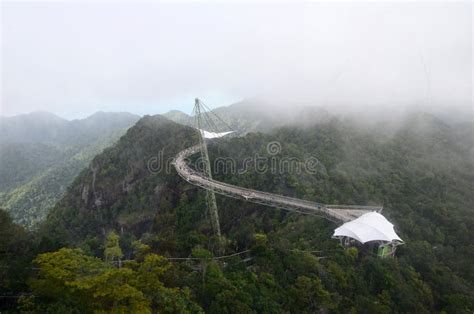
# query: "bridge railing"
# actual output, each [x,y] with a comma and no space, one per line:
[342,213]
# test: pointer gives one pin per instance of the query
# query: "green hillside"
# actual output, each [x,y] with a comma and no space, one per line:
[420,173]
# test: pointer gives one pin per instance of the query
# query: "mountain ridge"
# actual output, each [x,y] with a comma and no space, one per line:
[48,127]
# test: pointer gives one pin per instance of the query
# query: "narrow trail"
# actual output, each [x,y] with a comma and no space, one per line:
[335,213]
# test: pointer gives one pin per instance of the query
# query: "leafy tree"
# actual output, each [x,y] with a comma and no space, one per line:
[70,279]
[308,295]
[112,251]
[16,253]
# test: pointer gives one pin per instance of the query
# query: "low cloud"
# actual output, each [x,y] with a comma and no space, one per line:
[74,58]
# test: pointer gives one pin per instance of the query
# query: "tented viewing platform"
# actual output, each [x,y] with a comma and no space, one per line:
[371,228]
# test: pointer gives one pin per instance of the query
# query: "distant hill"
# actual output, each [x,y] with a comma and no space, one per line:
[41,153]
[242,117]
[45,127]
[253,116]
[180,117]
[37,126]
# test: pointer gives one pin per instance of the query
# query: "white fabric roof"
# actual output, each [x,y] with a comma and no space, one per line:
[210,135]
[368,227]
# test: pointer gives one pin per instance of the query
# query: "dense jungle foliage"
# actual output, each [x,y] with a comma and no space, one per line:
[114,241]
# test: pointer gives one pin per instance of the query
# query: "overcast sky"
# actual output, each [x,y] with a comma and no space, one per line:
[75,58]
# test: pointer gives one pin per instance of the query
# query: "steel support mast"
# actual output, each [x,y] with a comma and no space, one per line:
[210,196]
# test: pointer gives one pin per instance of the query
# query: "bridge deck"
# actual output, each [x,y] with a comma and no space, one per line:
[341,213]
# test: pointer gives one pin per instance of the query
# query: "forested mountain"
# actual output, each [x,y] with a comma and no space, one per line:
[341,181]
[124,207]
[42,153]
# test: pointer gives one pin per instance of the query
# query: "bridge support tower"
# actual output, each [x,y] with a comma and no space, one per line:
[199,113]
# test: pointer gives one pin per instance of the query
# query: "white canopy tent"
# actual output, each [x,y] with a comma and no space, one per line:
[368,227]
[211,135]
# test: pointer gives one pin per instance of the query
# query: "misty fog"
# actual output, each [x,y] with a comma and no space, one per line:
[77,58]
